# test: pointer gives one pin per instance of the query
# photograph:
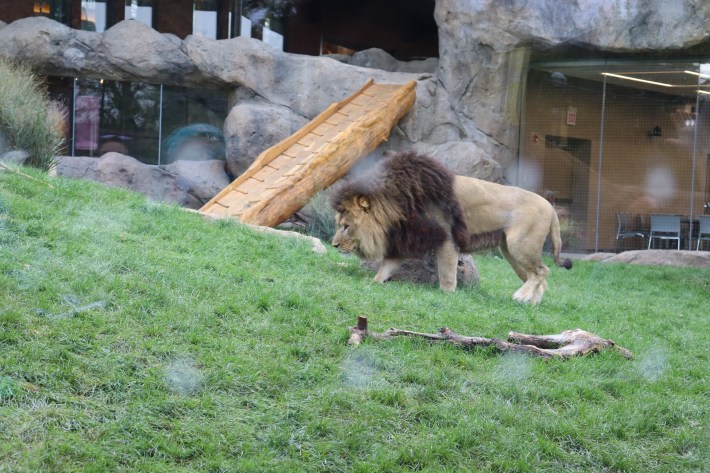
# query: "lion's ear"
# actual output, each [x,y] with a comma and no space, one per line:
[363,202]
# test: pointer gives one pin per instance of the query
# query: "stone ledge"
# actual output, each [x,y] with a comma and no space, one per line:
[695,259]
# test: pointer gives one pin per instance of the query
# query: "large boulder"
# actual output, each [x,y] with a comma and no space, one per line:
[467,159]
[251,127]
[376,58]
[200,179]
[189,183]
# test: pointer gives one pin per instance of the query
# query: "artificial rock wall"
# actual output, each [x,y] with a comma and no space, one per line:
[466,111]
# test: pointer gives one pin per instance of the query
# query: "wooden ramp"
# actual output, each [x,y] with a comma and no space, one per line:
[284,177]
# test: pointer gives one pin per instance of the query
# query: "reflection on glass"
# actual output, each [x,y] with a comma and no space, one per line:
[55,9]
[93,15]
[192,124]
[264,19]
[116,116]
[140,10]
[204,18]
[124,117]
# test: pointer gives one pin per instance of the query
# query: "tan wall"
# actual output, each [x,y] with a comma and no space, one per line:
[640,174]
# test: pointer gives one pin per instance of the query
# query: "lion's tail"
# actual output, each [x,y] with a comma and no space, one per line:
[557,242]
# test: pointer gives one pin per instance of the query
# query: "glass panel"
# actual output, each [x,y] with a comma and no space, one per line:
[140,10]
[264,19]
[643,150]
[649,140]
[55,9]
[192,124]
[559,150]
[117,116]
[204,18]
[93,15]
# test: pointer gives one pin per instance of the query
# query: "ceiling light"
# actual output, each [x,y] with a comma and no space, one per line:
[608,74]
[704,76]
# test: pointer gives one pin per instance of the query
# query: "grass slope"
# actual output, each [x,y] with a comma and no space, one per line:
[137,337]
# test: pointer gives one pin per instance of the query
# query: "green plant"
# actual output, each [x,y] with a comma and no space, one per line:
[29,119]
[321,217]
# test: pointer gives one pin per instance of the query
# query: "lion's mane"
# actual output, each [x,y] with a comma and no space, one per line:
[412,208]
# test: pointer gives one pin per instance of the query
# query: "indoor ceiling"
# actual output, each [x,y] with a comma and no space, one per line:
[673,78]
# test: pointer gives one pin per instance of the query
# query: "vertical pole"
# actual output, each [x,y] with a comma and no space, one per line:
[599,168]
[692,173]
[160,123]
[73,116]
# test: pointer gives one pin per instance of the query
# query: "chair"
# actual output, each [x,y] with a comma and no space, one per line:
[624,228]
[703,230]
[664,227]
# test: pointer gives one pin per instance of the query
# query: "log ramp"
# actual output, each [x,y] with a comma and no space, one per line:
[284,177]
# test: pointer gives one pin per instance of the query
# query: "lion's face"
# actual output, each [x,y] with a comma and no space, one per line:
[358,228]
[344,239]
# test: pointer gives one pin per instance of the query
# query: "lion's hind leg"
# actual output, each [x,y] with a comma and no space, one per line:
[526,260]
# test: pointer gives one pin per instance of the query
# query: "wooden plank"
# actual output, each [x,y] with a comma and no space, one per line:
[285,176]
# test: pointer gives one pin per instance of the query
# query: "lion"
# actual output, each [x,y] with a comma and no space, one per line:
[410,204]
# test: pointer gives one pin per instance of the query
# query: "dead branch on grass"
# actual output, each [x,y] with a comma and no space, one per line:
[566,344]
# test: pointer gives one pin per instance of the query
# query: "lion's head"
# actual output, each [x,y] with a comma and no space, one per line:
[363,225]
[404,207]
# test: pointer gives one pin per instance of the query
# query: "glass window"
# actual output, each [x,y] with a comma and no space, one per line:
[617,141]
[204,18]
[93,15]
[140,10]
[192,124]
[116,116]
[55,9]
[264,20]
[154,124]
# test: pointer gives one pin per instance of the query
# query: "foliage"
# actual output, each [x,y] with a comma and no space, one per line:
[30,120]
[138,337]
[321,217]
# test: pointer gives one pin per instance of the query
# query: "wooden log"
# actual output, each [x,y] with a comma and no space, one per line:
[333,161]
[564,345]
[284,177]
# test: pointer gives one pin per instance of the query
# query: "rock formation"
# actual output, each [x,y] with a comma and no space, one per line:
[473,97]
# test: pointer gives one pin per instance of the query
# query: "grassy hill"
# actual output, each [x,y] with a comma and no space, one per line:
[137,337]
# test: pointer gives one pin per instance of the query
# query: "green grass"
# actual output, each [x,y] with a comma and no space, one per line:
[138,337]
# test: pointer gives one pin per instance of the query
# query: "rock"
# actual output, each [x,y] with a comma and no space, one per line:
[376,58]
[695,259]
[251,127]
[467,159]
[187,183]
[15,156]
[424,271]
[201,179]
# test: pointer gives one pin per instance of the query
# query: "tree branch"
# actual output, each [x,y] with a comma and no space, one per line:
[564,345]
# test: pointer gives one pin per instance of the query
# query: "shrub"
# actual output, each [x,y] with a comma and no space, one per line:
[320,217]
[29,119]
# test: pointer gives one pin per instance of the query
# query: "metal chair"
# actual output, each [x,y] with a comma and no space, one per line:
[703,230]
[664,227]
[625,229]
